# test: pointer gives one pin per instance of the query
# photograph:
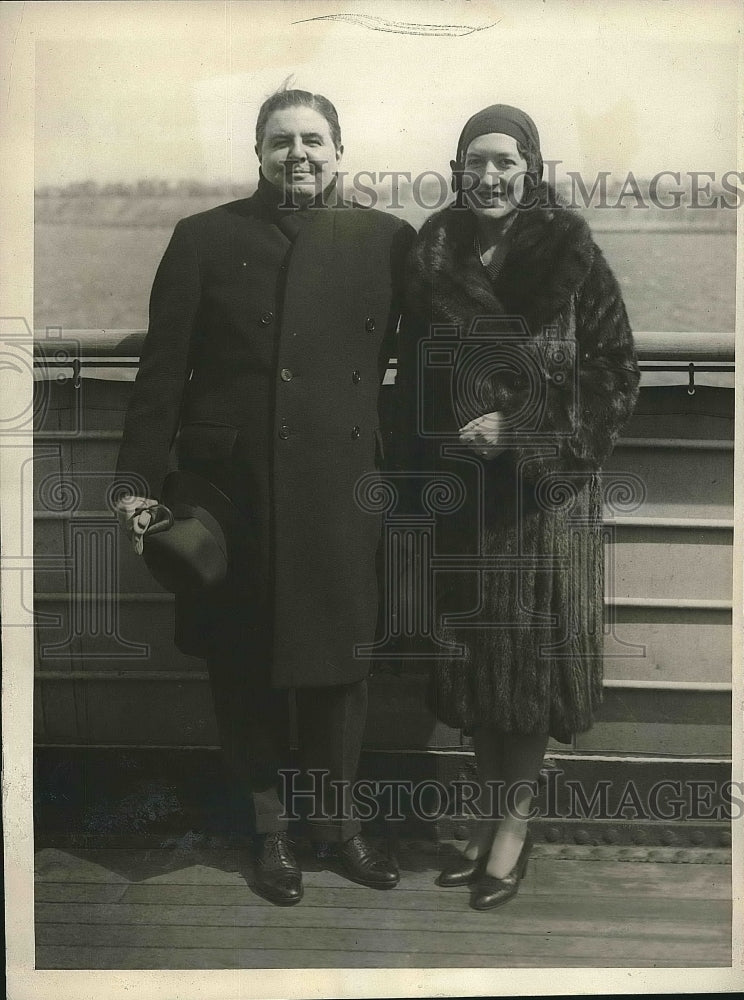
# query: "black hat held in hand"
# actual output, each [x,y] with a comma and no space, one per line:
[186,545]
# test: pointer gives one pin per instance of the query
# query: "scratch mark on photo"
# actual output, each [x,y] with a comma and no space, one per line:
[401,27]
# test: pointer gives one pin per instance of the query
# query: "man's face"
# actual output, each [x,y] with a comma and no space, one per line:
[297,152]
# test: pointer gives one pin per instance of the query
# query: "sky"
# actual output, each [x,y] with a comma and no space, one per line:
[171,90]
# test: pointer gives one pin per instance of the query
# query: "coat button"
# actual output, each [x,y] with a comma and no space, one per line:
[369,324]
[284,432]
[356,377]
[286,375]
[355,432]
[267,317]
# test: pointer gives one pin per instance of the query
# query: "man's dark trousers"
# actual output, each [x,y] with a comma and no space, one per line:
[253,719]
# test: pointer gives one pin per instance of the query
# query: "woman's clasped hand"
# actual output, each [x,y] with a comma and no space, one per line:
[484,434]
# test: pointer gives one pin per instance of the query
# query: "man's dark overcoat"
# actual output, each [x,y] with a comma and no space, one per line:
[266,357]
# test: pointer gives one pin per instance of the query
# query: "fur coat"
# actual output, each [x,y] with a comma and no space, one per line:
[546,343]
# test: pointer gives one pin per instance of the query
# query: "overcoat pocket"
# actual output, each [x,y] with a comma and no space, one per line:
[205,442]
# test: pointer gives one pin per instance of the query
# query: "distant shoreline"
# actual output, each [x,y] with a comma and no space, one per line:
[93,273]
[630,228]
[162,211]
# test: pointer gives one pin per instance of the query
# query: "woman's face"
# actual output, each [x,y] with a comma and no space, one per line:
[497,171]
[297,152]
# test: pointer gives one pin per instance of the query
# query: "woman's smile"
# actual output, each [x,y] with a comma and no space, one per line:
[494,161]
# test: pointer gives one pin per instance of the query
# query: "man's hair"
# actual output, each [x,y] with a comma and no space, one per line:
[293,99]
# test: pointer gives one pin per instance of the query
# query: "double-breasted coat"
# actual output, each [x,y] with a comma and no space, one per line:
[265,355]
[547,344]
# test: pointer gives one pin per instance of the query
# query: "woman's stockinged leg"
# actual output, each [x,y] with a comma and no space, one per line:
[521,760]
[488,757]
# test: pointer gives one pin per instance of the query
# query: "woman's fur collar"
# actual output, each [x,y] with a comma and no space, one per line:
[550,255]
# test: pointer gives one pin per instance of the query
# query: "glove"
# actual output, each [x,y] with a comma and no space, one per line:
[134,517]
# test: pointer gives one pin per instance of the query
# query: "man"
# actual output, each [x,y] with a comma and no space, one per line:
[271,323]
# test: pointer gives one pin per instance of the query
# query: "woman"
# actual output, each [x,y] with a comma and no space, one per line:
[544,376]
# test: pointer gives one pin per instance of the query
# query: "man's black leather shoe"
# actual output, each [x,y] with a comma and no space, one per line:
[364,864]
[278,876]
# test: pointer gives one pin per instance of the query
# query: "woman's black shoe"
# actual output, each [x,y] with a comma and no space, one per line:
[491,892]
[362,863]
[462,871]
[278,876]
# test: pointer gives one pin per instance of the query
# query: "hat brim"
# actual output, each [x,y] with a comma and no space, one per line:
[193,555]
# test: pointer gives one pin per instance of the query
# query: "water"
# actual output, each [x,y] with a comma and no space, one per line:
[100,276]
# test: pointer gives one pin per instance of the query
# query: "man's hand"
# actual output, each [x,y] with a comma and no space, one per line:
[135,518]
[483,434]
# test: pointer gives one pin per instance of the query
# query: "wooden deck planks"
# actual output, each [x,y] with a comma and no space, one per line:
[53,957]
[413,893]
[495,937]
[172,909]
[78,892]
[217,871]
[569,915]
[495,940]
